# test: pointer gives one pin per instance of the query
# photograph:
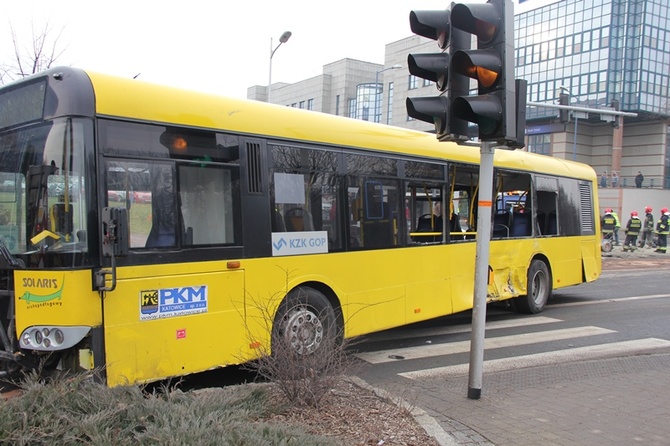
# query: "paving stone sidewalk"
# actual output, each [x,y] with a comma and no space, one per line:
[615,401]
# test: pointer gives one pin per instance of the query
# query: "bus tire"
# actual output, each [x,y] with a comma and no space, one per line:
[305,322]
[538,288]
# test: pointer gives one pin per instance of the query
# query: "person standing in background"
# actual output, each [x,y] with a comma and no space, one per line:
[639,178]
[647,229]
[603,179]
[615,179]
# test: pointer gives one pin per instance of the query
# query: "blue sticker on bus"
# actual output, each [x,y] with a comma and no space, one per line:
[172,302]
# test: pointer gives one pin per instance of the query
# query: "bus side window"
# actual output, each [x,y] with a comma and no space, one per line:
[546,211]
[163,213]
[128,187]
[379,213]
[207,197]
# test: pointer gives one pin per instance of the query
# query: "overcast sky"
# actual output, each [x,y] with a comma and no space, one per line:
[220,46]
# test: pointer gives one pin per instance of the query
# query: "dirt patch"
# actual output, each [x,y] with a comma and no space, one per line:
[623,260]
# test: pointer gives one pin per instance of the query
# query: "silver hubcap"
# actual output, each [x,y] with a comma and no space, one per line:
[304,330]
[538,287]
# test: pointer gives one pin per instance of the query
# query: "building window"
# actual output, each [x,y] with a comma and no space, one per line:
[413,82]
[539,144]
[302,104]
[367,101]
[310,104]
[337,105]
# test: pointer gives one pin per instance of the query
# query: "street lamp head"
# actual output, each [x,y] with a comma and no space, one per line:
[284,37]
[392,67]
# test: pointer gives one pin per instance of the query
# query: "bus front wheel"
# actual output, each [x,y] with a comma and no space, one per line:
[538,288]
[305,323]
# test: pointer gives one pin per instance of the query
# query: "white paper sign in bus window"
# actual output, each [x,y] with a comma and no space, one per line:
[289,188]
[295,243]
[172,302]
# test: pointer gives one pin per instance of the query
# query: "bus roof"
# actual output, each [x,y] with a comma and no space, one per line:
[132,98]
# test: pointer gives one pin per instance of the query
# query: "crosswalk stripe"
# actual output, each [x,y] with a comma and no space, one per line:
[611,300]
[439,331]
[425,351]
[547,358]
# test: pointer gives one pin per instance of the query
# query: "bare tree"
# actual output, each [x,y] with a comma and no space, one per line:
[40,54]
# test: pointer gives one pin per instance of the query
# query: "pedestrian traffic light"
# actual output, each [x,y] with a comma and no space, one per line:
[520,90]
[491,65]
[436,67]
[616,105]
[564,99]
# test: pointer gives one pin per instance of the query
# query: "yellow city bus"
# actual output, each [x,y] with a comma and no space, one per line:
[150,232]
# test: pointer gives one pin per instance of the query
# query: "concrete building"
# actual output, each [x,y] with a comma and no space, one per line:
[598,51]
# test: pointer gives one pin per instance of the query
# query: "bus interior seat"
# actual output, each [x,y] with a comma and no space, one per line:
[551,224]
[158,239]
[501,224]
[378,233]
[63,219]
[455,223]
[540,221]
[298,219]
[162,234]
[428,223]
[521,224]
[188,236]
[278,222]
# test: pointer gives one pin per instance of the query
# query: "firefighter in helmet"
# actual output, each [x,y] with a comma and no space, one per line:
[662,231]
[647,228]
[607,224]
[632,230]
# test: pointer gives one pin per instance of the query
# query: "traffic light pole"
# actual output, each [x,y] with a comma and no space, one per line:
[485,205]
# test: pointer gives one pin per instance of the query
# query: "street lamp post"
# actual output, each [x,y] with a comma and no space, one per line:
[379,91]
[282,39]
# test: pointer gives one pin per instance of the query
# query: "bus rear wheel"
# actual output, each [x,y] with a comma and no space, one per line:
[305,323]
[538,288]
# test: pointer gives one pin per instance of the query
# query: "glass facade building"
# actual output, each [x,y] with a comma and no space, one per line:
[603,53]
[598,50]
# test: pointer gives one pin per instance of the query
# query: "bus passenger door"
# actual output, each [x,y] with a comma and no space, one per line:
[178,306]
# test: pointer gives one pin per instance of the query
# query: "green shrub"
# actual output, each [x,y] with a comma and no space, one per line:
[78,411]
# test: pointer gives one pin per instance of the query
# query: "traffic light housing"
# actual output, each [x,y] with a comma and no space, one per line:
[436,67]
[497,109]
[494,108]
[564,99]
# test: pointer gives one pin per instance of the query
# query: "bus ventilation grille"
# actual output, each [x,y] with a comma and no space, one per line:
[586,198]
[254,167]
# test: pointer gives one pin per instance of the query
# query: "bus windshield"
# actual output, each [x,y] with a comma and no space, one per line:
[42,203]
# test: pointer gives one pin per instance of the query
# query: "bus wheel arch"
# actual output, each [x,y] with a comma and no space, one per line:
[538,289]
[308,318]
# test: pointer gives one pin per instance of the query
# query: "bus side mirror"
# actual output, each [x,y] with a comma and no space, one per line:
[114,231]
